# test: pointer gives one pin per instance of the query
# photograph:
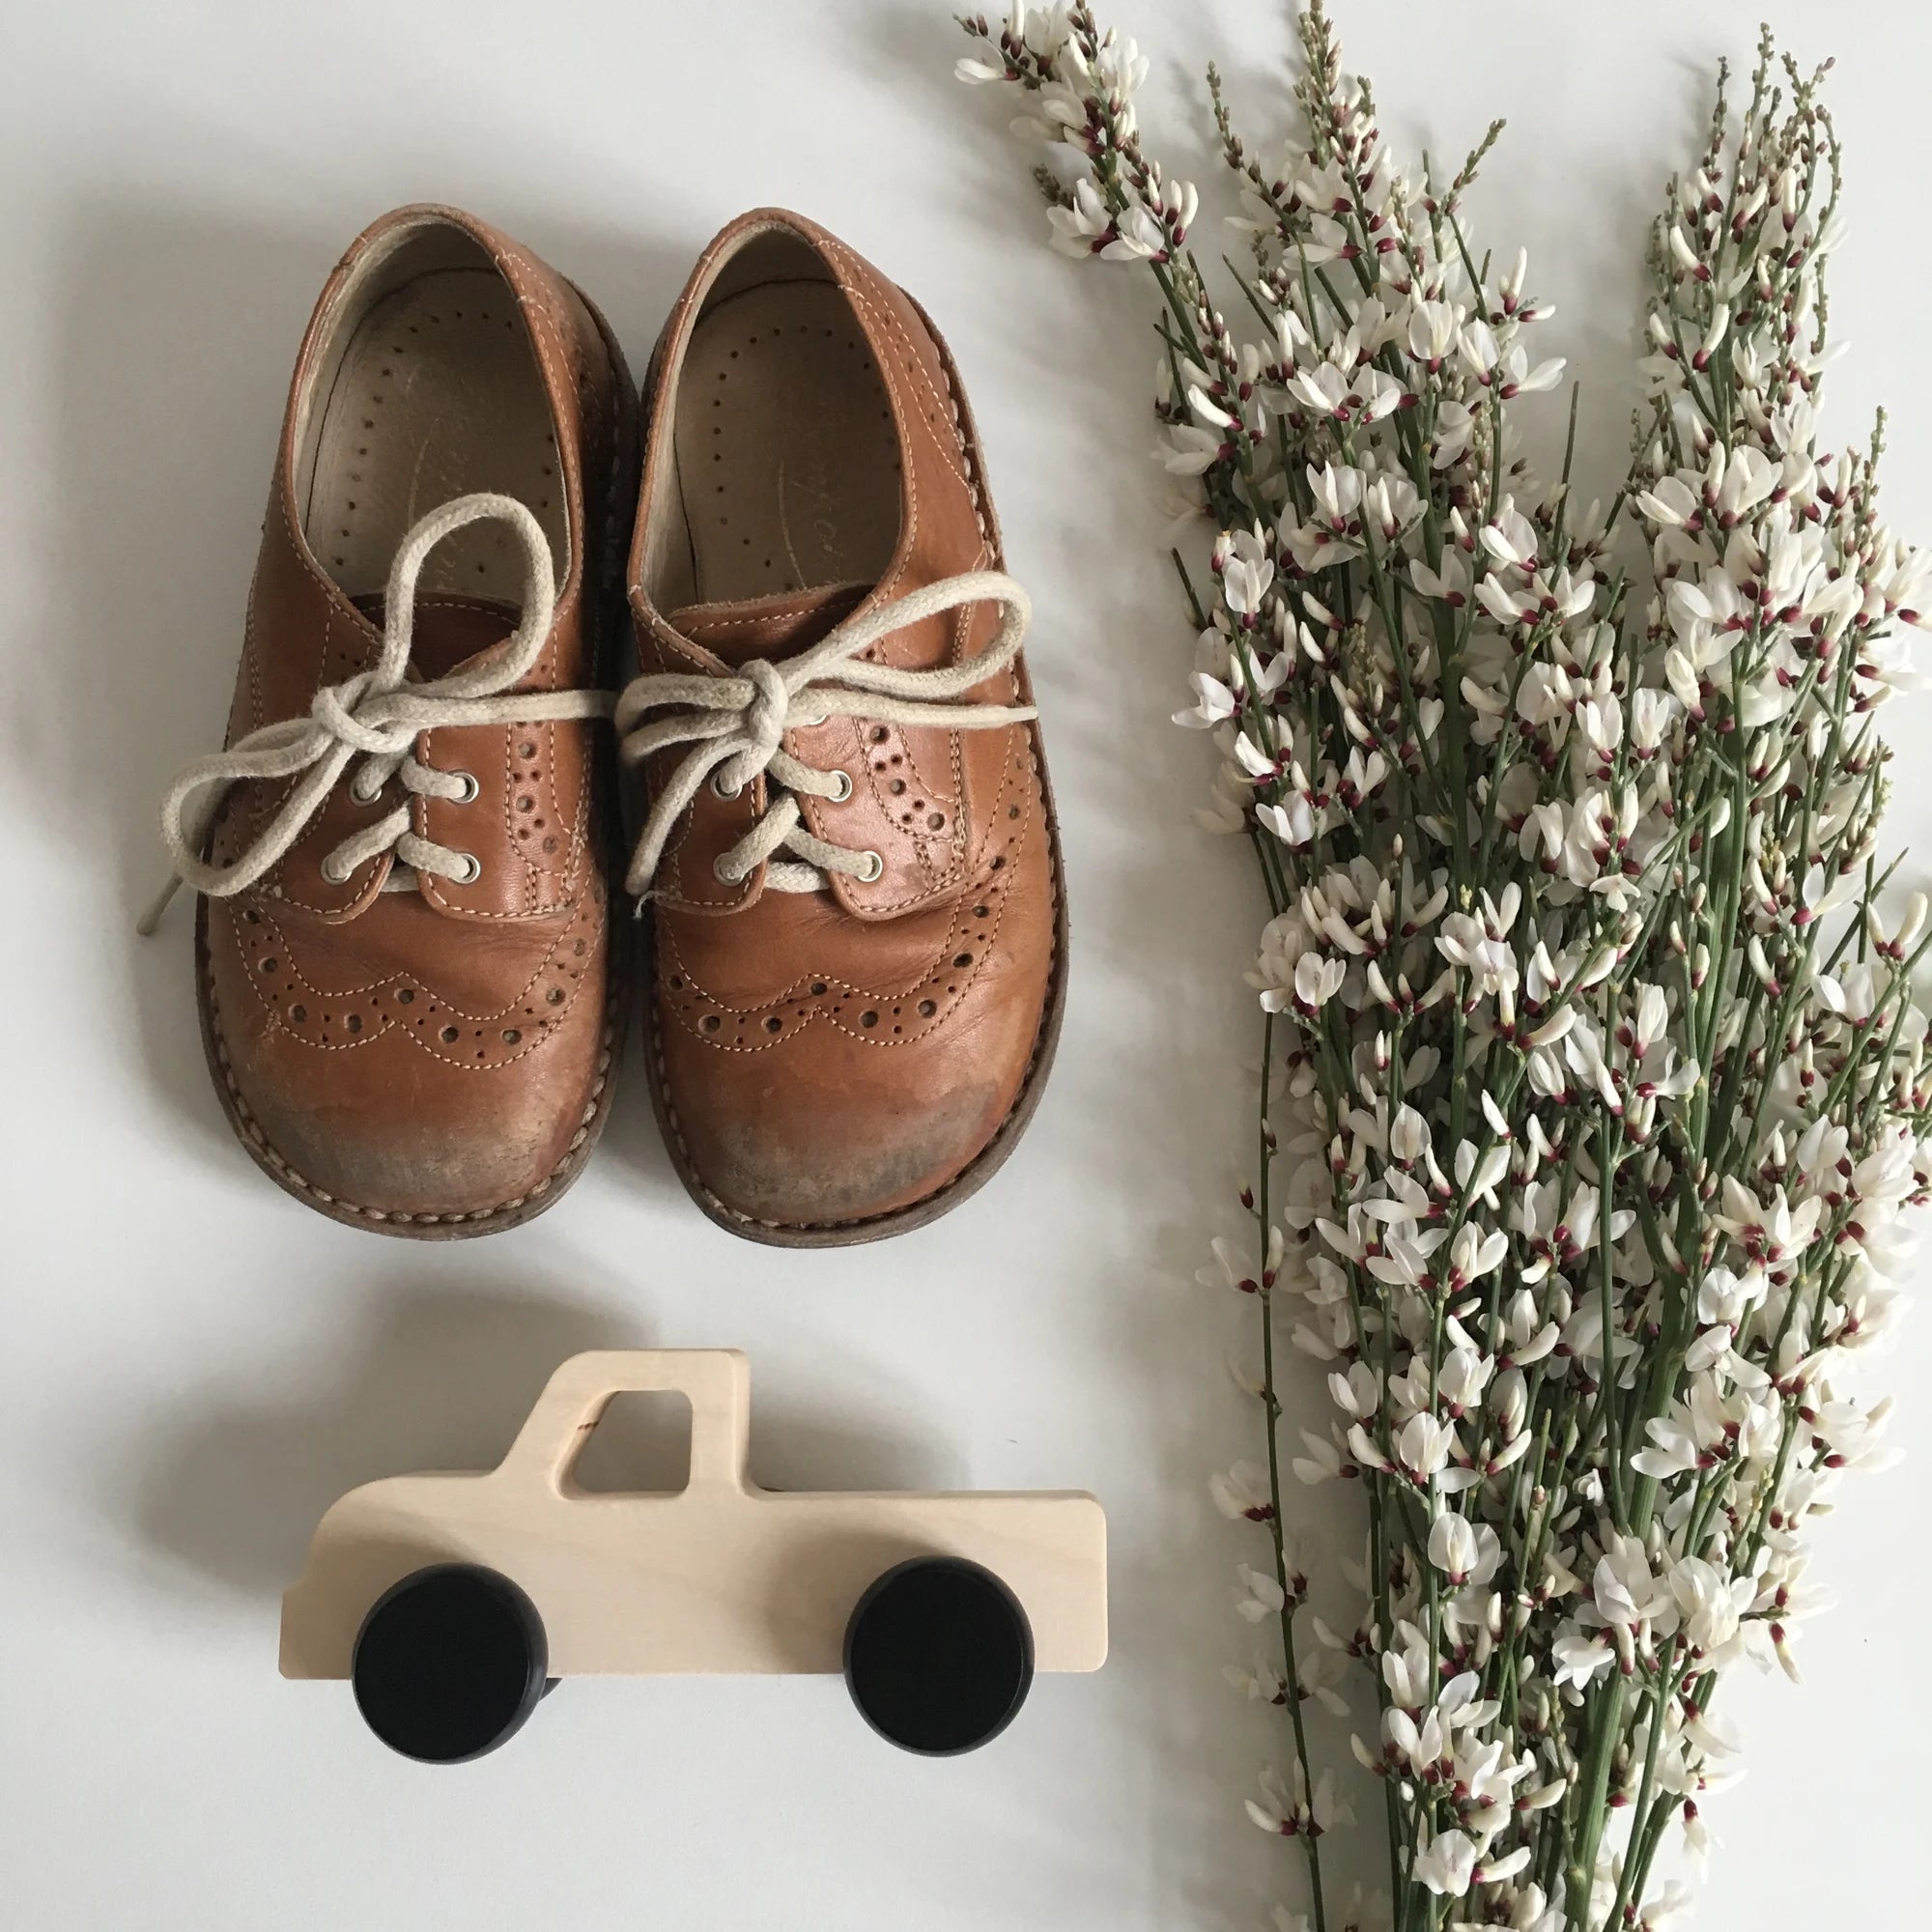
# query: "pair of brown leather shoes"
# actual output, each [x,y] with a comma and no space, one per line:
[413,993]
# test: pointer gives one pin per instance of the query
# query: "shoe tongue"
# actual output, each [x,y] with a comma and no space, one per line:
[447,630]
[769,627]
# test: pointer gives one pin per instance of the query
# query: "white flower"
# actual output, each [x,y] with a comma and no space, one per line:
[1624,1588]
[1667,1911]
[1263,1685]
[1358,1392]
[1593,1124]
[1242,1492]
[1323,1461]
[1423,1448]
[1317,981]
[1673,502]
[1244,584]
[1447,1863]
[1287,1813]
[1712,1605]
[1510,537]
[1407,1669]
[1190,451]
[1138,236]
[1363,395]
[1465,1552]
[1084,226]
[1520,379]
[1259,1596]
[1292,819]
[1450,584]
[1433,331]
[1578,1658]
[1466,942]
[1214,704]
[1236,1269]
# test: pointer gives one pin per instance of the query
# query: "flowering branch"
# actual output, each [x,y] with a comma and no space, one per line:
[1590,1062]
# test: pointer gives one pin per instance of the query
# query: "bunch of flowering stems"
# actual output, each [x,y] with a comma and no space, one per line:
[1593,1088]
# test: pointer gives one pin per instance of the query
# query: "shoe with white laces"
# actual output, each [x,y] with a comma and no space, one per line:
[409,996]
[856,957]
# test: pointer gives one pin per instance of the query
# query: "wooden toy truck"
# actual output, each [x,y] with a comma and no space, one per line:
[454,1602]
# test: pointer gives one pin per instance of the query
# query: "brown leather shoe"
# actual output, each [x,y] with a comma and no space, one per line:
[407,994]
[858,943]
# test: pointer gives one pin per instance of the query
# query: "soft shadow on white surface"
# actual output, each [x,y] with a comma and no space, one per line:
[165,403]
[439,1378]
[232,1486]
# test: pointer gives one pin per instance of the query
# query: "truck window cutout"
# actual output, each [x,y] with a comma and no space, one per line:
[639,1445]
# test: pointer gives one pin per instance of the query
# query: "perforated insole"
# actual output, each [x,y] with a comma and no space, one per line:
[786,454]
[436,396]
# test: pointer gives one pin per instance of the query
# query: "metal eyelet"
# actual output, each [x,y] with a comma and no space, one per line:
[334,872]
[470,788]
[721,790]
[361,793]
[473,869]
[875,869]
[844,791]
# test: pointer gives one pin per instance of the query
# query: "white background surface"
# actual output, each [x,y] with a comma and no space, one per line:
[193,1366]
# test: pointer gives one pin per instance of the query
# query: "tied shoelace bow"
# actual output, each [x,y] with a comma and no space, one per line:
[736,726]
[377,715]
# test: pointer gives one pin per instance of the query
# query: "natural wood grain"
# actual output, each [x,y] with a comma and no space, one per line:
[723,1577]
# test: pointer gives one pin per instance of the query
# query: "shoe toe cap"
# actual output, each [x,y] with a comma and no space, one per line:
[781,1170]
[374,1113]
[826,1131]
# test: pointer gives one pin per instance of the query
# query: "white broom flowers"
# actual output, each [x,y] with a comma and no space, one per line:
[1594,1089]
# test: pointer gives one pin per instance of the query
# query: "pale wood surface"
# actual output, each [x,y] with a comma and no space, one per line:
[723,1577]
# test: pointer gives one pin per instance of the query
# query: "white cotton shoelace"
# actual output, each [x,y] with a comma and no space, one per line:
[377,715]
[736,725]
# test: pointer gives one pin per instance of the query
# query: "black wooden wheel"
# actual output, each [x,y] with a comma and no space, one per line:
[449,1663]
[938,1656]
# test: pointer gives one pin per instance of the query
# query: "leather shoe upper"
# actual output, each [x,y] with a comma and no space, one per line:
[847,1030]
[424,1040]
